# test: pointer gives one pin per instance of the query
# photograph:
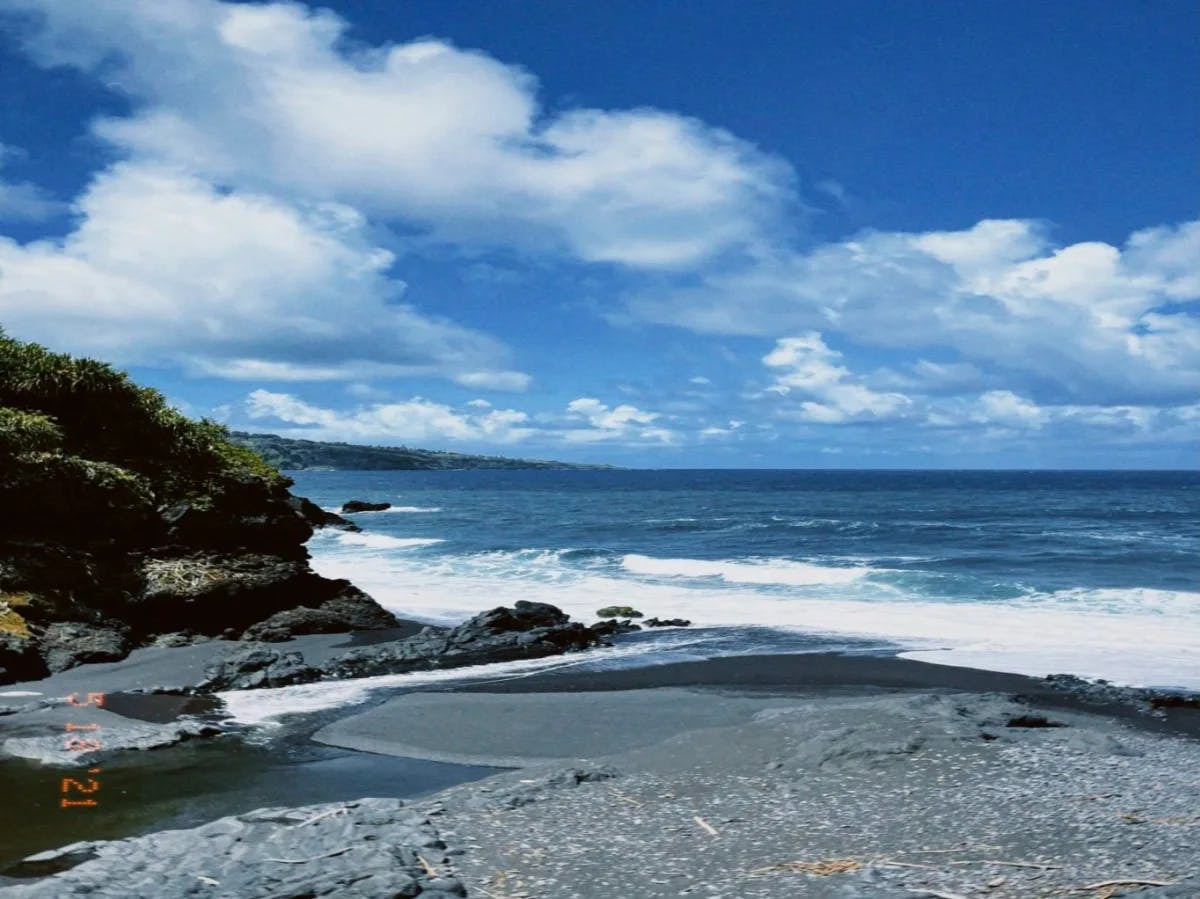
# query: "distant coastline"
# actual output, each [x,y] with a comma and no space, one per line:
[299,455]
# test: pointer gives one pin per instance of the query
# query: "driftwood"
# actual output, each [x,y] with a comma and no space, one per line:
[325,814]
[1103,884]
[823,868]
[305,861]
[712,830]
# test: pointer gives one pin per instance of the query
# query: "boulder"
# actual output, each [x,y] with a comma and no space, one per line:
[618,612]
[529,630]
[358,505]
[611,627]
[667,622]
[318,517]
[215,593]
[348,610]
[256,665]
[20,659]
[66,644]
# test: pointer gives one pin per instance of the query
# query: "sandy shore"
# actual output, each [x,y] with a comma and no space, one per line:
[773,776]
[903,778]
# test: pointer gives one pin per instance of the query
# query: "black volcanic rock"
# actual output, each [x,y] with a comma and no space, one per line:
[255,665]
[527,631]
[66,644]
[125,521]
[612,627]
[318,517]
[359,505]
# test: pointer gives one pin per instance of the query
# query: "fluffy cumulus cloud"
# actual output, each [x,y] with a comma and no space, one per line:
[252,95]
[1088,322]
[261,149]
[164,267]
[622,422]
[263,162]
[415,420]
[829,392]
[477,422]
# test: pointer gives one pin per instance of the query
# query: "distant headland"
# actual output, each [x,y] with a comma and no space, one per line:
[296,455]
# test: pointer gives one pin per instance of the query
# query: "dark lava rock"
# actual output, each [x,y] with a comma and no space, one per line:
[612,627]
[527,631]
[256,665]
[318,517]
[667,622]
[366,849]
[20,659]
[66,644]
[358,505]
[1031,720]
[222,594]
[246,515]
[521,617]
[348,610]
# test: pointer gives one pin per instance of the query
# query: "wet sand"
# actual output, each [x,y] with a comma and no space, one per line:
[732,777]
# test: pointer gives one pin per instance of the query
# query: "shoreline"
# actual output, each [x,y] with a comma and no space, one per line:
[633,709]
[622,773]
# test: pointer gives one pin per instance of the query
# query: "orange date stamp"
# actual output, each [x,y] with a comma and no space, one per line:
[70,786]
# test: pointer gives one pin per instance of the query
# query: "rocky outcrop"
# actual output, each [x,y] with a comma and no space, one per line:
[320,518]
[124,521]
[526,631]
[367,849]
[66,644]
[358,505]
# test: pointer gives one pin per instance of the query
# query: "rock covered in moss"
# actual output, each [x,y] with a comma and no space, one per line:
[618,612]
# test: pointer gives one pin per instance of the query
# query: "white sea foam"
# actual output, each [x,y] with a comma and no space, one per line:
[384,541]
[267,706]
[1134,636]
[767,571]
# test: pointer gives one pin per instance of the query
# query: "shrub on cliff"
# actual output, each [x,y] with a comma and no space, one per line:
[91,424]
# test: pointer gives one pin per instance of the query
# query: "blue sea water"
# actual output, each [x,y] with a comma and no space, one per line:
[1094,573]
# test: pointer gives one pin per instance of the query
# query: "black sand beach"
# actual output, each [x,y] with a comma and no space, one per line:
[759,776]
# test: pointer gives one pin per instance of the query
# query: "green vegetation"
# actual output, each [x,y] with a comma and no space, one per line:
[294,455]
[618,612]
[77,432]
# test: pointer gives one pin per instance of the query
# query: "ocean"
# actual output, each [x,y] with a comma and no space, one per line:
[1090,573]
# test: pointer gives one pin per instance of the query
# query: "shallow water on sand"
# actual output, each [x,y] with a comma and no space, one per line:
[185,785]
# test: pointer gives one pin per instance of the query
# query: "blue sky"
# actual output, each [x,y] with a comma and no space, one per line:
[852,234]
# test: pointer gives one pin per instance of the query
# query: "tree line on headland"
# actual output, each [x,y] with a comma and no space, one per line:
[295,455]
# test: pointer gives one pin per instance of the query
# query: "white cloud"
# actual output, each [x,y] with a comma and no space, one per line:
[495,380]
[164,268]
[1004,407]
[411,421]
[269,95]
[1082,323]
[806,366]
[624,422]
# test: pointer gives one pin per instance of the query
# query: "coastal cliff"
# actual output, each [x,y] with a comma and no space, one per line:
[122,523]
